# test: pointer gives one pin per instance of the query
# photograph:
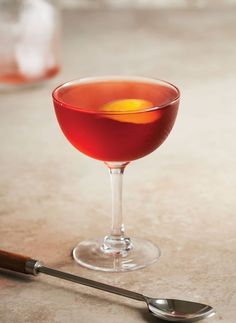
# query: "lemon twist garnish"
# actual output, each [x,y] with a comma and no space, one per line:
[120,107]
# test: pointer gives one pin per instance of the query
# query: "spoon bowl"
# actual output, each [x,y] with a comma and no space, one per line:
[175,310]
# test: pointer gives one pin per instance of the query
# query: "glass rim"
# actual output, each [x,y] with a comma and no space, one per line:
[92,79]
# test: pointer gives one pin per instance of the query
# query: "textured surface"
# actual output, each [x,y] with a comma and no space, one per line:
[182,197]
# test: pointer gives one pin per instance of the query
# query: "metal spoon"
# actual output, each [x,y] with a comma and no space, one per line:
[172,310]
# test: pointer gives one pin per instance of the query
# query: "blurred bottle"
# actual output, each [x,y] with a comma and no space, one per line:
[29,41]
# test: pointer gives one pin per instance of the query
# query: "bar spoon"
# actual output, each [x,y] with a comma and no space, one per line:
[172,310]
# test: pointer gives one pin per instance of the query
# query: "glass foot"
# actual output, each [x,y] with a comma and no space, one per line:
[98,255]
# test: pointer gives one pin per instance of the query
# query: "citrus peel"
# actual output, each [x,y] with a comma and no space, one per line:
[130,110]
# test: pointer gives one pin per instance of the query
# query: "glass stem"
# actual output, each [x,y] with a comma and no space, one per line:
[117,228]
[116,241]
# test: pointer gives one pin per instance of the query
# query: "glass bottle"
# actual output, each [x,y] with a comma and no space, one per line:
[29,41]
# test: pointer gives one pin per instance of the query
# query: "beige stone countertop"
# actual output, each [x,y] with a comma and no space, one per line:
[181,197]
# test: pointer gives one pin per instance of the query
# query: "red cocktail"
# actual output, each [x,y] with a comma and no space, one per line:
[118,134]
[116,120]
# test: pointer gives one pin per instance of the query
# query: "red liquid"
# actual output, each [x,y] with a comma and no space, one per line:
[110,136]
[18,78]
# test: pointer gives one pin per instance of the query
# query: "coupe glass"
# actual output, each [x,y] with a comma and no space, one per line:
[116,120]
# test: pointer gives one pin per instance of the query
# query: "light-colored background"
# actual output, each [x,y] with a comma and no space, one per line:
[182,197]
[145,3]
